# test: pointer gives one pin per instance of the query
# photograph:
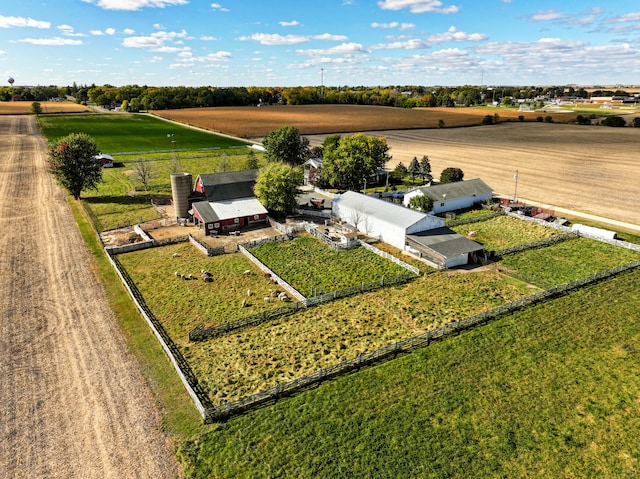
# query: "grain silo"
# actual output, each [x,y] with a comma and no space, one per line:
[181,189]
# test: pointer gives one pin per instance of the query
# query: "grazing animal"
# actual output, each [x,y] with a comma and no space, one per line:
[247,272]
[267,299]
[248,292]
[244,303]
[190,276]
[472,233]
[176,273]
[176,255]
[267,275]
[182,276]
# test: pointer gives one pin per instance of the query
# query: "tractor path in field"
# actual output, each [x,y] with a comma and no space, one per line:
[73,402]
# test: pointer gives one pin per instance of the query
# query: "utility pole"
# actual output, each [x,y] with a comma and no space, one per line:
[322,83]
[515,192]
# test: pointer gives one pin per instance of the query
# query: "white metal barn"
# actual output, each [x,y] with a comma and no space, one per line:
[453,196]
[388,221]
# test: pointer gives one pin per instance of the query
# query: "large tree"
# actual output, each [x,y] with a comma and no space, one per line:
[287,145]
[277,186]
[72,161]
[350,160]
[425,169]
[414,168]
[451,175]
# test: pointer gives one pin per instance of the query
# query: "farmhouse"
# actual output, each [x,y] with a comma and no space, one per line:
[453,196]
[226,202]
[419,233]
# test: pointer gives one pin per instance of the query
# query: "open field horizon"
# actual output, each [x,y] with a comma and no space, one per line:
[590,169]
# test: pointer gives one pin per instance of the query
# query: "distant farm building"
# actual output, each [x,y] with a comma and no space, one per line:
[453,196]
[422,234]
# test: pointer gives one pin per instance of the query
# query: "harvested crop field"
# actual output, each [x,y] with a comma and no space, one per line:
[24,107]
[589,169]
[252,122]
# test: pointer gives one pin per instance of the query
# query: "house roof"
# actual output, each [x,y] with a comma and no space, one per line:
[446,242]
[313,162]
[457,189]
[380,209]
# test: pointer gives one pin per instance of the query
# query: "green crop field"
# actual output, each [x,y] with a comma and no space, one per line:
[551,391]
[121,198]
[312,267]
[119,133]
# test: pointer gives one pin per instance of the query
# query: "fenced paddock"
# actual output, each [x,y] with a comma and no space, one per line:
[227,409]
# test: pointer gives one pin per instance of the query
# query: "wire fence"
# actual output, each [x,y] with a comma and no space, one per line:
[230,408]
[533,245]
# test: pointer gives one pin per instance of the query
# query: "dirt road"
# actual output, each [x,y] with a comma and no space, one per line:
[589,169]
[73,403]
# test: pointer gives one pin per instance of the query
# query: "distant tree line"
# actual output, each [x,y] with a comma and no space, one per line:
[136,98]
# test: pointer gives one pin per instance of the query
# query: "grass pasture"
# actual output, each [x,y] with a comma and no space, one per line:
[504,232]
[121,199]
[566,261]
[312,267]
[120,133]
[551,391]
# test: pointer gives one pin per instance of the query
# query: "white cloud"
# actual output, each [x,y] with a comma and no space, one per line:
[207,38]
[55,41]
[217,6]
[128,31]
[293,23]
[344,49]
[399,26]
[8,22]
[628,17]
[134,5]
[275,39]
[418,6]
[455,35]
[546,16]
[411,44]
[108,31]
[67,31]
[331,38]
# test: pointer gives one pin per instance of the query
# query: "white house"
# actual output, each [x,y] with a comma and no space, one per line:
[379,218]
[453,196]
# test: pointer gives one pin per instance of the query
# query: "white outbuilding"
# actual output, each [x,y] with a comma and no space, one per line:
[378,218]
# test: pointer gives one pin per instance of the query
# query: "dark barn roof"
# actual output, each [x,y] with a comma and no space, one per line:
[445,242]
[229,185]
[457,189]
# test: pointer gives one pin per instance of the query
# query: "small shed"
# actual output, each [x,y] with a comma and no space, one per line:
[444,247]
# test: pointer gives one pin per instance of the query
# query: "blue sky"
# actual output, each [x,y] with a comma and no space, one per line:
[306,42]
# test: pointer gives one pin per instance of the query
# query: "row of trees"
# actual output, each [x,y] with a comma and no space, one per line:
[136,98]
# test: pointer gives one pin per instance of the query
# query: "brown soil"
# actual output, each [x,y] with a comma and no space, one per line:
[24,107]
[590,169]
[251,122]
[73,401]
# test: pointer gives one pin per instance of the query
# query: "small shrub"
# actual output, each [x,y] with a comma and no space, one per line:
[521,117]
[548,119]
[615,121]
[540,119]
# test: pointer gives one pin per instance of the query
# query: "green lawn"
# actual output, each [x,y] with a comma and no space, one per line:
[504,232]
[121,199]
[311,266]
[118,133]
[552,391]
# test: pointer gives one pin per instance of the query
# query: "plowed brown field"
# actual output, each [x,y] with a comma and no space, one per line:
[591,169]
[73,403]
[24,107]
